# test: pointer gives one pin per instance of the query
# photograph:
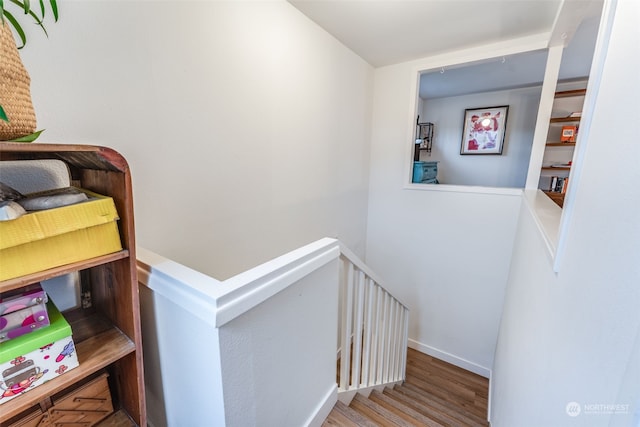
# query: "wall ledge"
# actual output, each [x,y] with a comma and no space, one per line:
[546,215]
[464,189]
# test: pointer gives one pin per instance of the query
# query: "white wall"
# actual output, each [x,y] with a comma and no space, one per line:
[246,126]
[506,170]
[279,359]
[446,251]
[183,378]
[572,336]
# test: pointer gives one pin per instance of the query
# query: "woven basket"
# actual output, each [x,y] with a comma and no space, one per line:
[15,96]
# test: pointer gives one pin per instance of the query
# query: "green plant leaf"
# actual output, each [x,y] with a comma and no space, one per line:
[3,115]
[54,9]
[26,6]
[33,15]
[28,138]
[17,27]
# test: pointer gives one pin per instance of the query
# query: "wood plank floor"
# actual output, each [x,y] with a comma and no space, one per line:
[435,393]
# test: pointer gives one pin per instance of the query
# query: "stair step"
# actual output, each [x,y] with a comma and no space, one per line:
[452,408]
[352,417]
[433,410]
[402,410]
[338,419]
[377,413]
[434,394]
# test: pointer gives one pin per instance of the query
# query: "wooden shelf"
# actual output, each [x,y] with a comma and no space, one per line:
[570,93]
[18,282]
[554,155]
[108,334]
[564,119]
[558,198]
[561,144]
[117,419]
[94,353]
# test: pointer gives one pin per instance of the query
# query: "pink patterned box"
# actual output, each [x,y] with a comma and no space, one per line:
[35,358]
[22,311]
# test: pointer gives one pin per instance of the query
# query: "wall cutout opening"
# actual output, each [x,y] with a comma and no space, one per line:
[484,117]
[447,93]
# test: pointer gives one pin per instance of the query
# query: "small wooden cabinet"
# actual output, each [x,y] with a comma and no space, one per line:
[106,334]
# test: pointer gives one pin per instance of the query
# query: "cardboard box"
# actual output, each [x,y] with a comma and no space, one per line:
[54,237]
[33,359]
[22,311]
[568,134]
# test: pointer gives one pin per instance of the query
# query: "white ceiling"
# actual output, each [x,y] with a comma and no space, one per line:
[385,32]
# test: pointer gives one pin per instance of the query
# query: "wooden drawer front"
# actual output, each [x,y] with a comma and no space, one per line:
[83,407]
[35,419]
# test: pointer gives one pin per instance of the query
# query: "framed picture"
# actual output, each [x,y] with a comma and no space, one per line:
[484,129]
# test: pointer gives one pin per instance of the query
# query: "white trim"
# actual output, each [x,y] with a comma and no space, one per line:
[593,87]
[448,357]
[552,221]
[489,395]
[255,286]
[324,408]
[546,214]
[504,191]
[545,107]
[568,18]
[480,53]
[181,285]
[216,302]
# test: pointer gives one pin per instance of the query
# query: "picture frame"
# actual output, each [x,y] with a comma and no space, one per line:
[484,130]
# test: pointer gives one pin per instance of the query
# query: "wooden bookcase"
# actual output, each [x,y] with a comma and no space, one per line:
[107,334]
[558,154]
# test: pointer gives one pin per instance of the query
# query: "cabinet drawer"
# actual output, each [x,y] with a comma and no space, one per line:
[84,406]
[34,419]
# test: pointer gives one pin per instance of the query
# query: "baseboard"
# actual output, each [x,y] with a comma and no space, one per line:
[490,394]
[156,412]
[322,411]
[448,357]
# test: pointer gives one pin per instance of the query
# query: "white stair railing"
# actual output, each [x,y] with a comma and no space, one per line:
[373,331]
